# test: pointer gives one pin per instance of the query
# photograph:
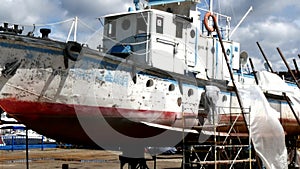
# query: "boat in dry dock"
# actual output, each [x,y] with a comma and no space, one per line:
[152,73]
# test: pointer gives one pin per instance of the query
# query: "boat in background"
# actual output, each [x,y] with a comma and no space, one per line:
[147,81]
[16,135]
[13,135]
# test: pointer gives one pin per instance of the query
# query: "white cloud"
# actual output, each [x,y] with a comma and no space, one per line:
[30,11]
[94,8]
[275,26]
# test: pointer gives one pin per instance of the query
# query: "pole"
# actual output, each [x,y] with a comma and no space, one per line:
[263,53]
[253,70]
[70,31]
[296,66]
[75,30]
[244,17]
[27,154]
[289,103]
[230,71]
[211,2]
[288,67]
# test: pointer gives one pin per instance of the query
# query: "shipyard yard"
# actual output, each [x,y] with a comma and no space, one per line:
[163,76]
[76,159]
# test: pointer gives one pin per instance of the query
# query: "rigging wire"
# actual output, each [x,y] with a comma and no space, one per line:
[87,26]
[47,24]
[206,3]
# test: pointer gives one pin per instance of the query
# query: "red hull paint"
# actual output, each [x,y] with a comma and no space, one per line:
[290,126]
[61,121]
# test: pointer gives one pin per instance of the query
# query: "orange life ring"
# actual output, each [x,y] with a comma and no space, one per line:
[206,19]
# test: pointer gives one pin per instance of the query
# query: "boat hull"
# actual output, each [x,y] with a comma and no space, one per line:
[104,100]
[83,125]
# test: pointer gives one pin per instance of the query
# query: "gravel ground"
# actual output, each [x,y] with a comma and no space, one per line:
[76,159]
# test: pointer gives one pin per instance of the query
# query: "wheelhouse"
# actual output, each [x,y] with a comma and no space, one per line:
[170,38]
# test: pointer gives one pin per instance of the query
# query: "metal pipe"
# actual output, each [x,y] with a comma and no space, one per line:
[289,103]
[211,2]
[253,70]
[296,66]
[70,31]
[230,71]
[223,162]
[27,150]
[75,30]
[288,67]
[267,61]
[244,17]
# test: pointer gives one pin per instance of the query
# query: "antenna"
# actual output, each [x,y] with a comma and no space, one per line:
[244,17]
[211,3]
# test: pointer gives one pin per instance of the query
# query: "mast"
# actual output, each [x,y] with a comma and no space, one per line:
[211,2]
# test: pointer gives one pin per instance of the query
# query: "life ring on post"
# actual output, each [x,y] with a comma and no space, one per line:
[206,20]
[72,50]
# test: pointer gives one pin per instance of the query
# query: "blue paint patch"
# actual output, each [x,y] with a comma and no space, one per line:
[236,49]
[291,84]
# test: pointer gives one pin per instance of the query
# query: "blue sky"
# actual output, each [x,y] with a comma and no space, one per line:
[273,23]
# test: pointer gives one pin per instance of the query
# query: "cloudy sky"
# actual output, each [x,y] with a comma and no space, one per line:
[273,23]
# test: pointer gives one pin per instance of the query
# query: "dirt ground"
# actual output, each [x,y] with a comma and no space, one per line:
[76,159]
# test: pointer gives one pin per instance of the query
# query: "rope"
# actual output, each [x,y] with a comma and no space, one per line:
[49,24]
[87,26]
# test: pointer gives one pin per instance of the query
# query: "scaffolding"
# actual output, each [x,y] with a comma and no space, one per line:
[231,149]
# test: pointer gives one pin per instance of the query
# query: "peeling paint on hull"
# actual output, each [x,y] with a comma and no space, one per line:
[60,121]
[51,94]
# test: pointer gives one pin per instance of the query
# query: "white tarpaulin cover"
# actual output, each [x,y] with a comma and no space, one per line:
[265,129]
[267,81]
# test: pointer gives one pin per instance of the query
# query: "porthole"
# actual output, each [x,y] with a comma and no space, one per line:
[149,83]
[192,33]
[190,92]
[171,87]
[126,24]
[179,101]
[224,98]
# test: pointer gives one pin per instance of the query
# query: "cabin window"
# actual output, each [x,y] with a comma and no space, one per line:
[111,29]
[179,101]
[179,29]
[141,25]
[126,24]
[192,33]
[159,25]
